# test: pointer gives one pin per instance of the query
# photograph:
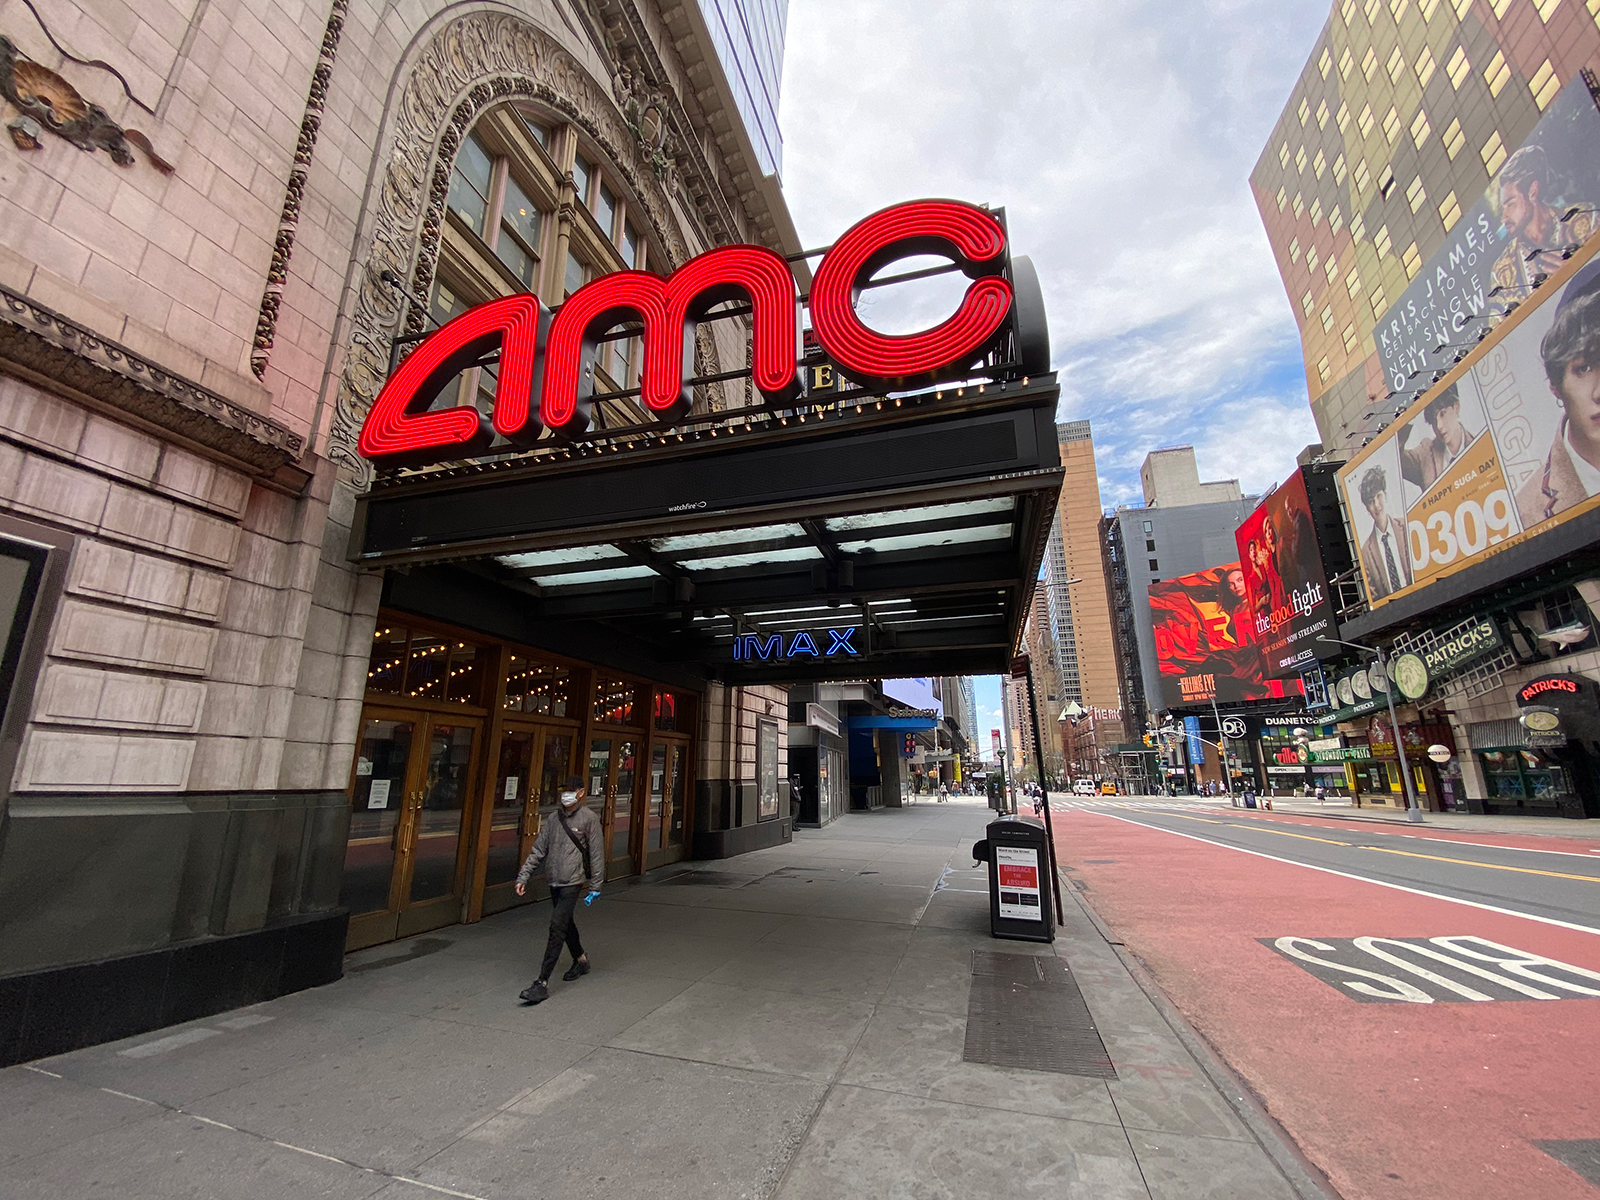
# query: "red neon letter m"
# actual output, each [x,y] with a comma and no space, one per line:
[669,310]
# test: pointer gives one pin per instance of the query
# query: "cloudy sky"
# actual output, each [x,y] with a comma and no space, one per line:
[1119,137]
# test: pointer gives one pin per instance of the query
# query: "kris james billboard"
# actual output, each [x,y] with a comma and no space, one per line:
[1205,640]
[1284,580]
[1505,448]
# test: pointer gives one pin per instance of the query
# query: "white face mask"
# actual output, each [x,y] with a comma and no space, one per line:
[569,799]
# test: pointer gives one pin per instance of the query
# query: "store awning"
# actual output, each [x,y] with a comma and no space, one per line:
[893,537]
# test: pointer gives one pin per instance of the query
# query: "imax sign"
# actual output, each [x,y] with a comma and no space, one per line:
[770,647]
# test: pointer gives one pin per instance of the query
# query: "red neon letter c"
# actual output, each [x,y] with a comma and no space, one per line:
[946,227]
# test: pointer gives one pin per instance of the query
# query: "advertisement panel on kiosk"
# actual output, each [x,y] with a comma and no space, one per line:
[1544,197]
[1284,580]
[1205,640]
[1506,448]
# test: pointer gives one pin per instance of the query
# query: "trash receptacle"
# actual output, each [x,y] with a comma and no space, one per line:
[1020,900]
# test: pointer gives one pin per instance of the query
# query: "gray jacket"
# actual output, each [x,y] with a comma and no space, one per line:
[565,863]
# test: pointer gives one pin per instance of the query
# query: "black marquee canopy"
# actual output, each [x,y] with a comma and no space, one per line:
[864,537]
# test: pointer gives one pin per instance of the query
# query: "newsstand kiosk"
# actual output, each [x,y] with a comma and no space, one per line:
[1018,853]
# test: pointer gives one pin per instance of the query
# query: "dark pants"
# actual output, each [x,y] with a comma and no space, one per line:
[563,927]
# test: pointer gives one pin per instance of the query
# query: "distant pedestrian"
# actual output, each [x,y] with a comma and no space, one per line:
[573,848]
[1322,794]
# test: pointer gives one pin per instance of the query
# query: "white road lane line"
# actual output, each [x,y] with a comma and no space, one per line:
[1508,912]
[170,1042]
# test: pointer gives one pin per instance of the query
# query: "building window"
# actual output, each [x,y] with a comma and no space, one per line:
[538,132]
[605,211]
[1425,66]
[1320,163]
[1369,64]
[1391,124]
[1544,85]
[1323,370]
[1335,221]
[1499,7]
[1427,8]
[613,700]
[537,687]
[1420,127]
[1322,111]
[1366,120]
[1327,318]
[582,173]
[1416,194]
[1300,160]
[1312,259]
[518,246]
[1283,156]
[1457,67]
[1493,153]
[1386,182]
[576,274]
[1307,303]
[469,185]
[1449,211]
[1349,338]
[1358,227]
[1378,300]
[1338,169]
[1294,250]
[1352,282]
[1147,526]
[1363,175]
[1497,72]
[1454,139]
[1331,269]
[1382,243]
[1343,118]
[1148,543]
[630,247]
[1346,61]
[1325,62]
[1396,64]
[1412,261]
[1283,198]
[1154,566]
[1545,8]
[1304,111]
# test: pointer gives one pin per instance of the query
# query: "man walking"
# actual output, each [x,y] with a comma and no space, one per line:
[574,848]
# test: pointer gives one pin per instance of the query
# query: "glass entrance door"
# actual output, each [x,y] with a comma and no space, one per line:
[663,816]
[404,861]
[613,775]
[534,762]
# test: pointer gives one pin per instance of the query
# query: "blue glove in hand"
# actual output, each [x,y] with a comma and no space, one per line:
[589,899]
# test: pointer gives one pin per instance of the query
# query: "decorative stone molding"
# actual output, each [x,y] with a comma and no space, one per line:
[48,102]
[52,348]
[294,193]
[473,62]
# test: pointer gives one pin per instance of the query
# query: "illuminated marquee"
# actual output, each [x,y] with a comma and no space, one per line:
[771,647]
[547,365]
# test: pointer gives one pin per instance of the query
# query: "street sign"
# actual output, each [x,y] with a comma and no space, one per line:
[1019,667]
[1439,752]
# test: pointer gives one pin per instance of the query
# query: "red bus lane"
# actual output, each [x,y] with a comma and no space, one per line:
[1390,1095]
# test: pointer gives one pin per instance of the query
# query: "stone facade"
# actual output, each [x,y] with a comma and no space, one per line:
[185,359]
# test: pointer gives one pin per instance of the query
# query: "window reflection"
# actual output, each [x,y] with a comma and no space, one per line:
[537,687]
[613,700]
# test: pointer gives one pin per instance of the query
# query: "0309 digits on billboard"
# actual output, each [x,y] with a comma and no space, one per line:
[1205,640]
[1505,448]
[1284,580]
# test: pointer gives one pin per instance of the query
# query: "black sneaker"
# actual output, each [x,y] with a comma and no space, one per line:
[535,993]
[580,967]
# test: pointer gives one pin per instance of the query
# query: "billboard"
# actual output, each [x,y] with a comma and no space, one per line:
[1507,447]
[1541,200]
[1284,580]
[1205,640]
[914,693]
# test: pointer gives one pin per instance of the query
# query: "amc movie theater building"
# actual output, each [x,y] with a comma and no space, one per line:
[403,406]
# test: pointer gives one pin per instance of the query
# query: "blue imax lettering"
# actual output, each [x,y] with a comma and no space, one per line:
[769,647]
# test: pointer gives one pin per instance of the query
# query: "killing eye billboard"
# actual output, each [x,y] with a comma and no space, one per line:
[1507,447]
[1284,581]
[1205,640]
[1542,200]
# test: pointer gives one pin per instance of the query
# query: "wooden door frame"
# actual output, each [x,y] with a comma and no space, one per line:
[380,924]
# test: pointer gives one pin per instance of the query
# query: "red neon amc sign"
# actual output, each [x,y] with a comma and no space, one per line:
[547,366]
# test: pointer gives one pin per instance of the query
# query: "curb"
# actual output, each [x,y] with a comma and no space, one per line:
[1304,1176]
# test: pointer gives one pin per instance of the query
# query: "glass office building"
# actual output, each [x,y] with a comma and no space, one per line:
[748,37]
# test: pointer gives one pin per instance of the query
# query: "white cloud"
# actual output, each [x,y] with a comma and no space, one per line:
[1119,138]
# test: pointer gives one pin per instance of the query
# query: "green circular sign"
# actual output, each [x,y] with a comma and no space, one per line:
[1410,676]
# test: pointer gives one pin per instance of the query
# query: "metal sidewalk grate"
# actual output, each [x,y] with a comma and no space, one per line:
[1027,1012]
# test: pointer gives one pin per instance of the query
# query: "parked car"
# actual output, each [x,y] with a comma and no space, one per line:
[1083,787]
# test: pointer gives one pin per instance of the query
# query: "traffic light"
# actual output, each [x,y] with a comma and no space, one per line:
[1149,739]
[911,745]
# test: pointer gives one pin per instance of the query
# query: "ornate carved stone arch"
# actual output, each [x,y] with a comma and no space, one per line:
[473,62]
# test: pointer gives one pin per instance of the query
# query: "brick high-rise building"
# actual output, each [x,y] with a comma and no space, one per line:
[1403,115]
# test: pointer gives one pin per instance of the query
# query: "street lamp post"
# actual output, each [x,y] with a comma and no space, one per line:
[1413,810]
[1222,748]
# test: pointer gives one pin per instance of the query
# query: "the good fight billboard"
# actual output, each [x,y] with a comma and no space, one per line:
[1541,200]
[1506,447]
[1205,640]
[1284,580]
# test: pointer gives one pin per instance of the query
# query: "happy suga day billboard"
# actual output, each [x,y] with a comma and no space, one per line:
[1205,640]
[1284,580]
[1506,447]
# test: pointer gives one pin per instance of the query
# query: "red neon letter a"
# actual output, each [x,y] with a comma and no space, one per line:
[396,432]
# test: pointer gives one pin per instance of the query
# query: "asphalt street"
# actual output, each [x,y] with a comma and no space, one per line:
[1551,884]
[1416,1006]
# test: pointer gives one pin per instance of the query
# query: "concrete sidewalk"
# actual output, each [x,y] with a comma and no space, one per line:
[789,1023]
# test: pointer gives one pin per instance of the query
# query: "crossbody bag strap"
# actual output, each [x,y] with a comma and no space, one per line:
[583,849]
